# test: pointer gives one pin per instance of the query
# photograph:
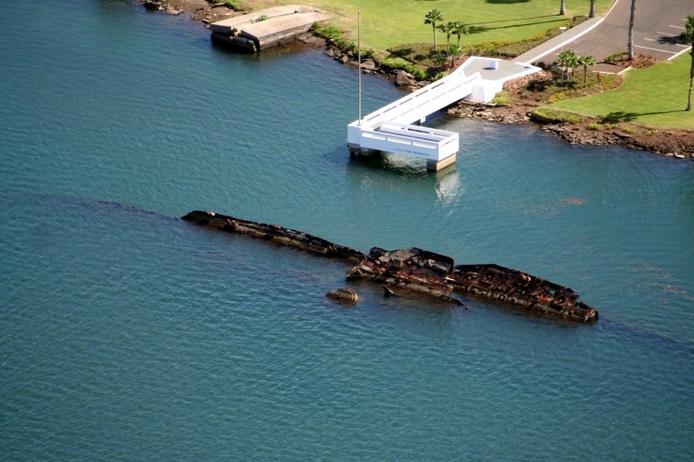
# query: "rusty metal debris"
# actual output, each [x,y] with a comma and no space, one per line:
[344,295]
[421,271]
[276,234]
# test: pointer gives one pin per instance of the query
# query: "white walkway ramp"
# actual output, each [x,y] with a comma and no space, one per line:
[390,128]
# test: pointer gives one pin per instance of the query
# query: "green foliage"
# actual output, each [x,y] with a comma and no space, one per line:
[394,64]
[654,96]
[335,36]
[617,57]
[567,61]
[548,115]
[433,17]
[233,4]
[502,99]
[262,17]
[595,126]
[390,23]
[327,31]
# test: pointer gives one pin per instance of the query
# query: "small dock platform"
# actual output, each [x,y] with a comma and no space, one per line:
[266,28]
[392,128]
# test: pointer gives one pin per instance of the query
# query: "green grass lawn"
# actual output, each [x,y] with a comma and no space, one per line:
[388,23]
[655,96]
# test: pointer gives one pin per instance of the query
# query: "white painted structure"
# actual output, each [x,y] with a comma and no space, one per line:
[391,128]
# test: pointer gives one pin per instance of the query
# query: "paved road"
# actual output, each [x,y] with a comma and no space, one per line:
[657,24]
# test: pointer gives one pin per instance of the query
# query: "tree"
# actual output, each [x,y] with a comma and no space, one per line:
[567,61]
[592,9]
[585,61]
[688,35]
[630,44]
[447,28]
[562,8]
[460,28]
[432,17]
[454,51]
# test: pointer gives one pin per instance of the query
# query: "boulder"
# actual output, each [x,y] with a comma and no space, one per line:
[404,79]
[369,65]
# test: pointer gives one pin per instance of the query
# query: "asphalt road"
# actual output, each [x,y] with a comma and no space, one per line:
[657,24]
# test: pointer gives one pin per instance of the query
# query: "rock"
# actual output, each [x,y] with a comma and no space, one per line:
[344,59]
[151,5]
[404,79]
[368,66]
[330,52]
[344,295]
[679,156]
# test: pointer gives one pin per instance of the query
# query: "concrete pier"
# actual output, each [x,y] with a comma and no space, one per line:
[266,28]
[393,128]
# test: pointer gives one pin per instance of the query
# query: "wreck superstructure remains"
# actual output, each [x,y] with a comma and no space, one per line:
[421,271]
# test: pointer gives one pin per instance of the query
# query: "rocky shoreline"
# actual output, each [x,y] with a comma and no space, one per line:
[677,144]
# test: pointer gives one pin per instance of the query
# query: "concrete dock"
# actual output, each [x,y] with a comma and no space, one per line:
[267,28]
[392,128]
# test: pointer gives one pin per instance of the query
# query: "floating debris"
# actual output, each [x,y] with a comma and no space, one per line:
[419,271]
[344,295]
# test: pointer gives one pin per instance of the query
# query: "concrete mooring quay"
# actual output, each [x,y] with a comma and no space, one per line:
[266,28]
[420,271]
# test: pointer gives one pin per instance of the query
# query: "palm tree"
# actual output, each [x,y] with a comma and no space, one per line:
[454,51]
[562,8]
[447,28]
[630,44]
[585,61]
[460,28]
[592,9]
[688,35]
[432,17]
[567,60]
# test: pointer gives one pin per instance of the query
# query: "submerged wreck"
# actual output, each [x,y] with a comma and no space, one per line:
[421,271]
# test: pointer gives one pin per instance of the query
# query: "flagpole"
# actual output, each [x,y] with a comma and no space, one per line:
[359,58]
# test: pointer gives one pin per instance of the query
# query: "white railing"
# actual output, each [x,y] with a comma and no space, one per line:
[425,101]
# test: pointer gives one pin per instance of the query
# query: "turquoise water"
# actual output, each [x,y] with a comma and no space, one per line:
[126,334]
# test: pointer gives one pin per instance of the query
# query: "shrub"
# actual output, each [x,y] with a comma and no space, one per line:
[547,115]
[233,4]
[395,64]
[615,58]
[502,99]
[594,126]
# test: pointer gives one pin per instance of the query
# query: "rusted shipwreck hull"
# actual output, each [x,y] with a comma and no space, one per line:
[436,274]
[421,271]
[276,234]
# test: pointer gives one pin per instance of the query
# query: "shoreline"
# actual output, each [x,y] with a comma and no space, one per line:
[674,143]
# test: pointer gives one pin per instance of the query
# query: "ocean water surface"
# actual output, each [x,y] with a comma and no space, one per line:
[127,334]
